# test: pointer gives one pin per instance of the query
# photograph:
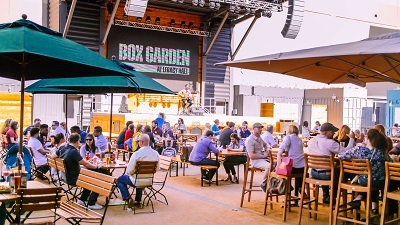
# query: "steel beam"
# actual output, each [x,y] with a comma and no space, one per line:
[69,19]
[217,33]
[110,22]
[256,16]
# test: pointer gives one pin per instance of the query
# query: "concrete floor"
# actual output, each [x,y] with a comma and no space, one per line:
[189,203]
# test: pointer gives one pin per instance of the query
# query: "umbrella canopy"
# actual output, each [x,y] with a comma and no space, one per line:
[36,88]
[29,51]
[375,59]
[43,53]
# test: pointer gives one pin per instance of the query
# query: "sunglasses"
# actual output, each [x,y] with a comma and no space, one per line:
[89,139]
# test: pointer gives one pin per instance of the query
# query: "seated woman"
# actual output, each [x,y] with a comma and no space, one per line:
[88,147]
[375,151]
[199,155]
[343,135]
[230,161]
[293,146]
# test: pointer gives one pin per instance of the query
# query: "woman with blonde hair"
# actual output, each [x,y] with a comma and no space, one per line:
[342,135]
[6,125]
[135,137]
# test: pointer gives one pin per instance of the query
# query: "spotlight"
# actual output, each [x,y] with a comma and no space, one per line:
[211,5]
[183,23]
[266,13]
[125,16]
[158,20]
[139,19]
[247,10]
[148,20]
[232,8]
[180,1]
[217,6]
[252,11]
[172,23]
[110,7]
[237,10]
[174,0]
[191,25]
[195,2]
[202,3]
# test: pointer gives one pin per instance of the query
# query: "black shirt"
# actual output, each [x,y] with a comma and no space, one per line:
[71,158]
[121,137]
[225,136]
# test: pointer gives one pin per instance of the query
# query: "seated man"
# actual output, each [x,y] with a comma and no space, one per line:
[101,141]
[199,154]
[225,137]
[73,161]
[82,134]
[255,147]
[268,138]
[145,153]
[38,153]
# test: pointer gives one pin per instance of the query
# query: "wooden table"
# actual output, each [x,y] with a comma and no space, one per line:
[114,165]
[188,137]
[228,153]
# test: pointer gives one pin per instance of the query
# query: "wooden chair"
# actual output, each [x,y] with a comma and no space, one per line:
[165,165]
[355,167]
[392,175]
[71,191]
[288,198]
[144,170]
[39,199]
[93,181]
[320,163]
[35,172]
[247,190]
[54,176]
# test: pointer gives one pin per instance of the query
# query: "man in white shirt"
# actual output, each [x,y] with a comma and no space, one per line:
[268,138]
[145,153]
[38,153]
[56,129]
[101,141]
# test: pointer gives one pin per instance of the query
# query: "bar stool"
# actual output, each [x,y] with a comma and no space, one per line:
[392,175]
[317,162]
[247,190]
[288,198]
[355,167]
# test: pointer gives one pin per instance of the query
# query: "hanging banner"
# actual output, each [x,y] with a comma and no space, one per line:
[157,54]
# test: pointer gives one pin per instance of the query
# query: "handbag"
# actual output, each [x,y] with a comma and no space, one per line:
[277,186]
[285,167]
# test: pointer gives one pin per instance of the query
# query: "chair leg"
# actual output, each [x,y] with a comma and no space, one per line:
[316,196]
[301,202]
[244,186]
[251,185]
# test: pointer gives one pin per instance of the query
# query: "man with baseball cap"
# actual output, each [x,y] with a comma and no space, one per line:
[255,148]
[323,144]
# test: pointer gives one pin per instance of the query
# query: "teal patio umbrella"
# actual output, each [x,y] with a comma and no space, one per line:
[29,51]
[136,82]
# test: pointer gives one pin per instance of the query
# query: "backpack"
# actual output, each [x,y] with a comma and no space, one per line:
[169,151]
[186,150]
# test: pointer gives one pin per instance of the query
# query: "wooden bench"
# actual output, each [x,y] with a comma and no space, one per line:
[95,182]
[208,168]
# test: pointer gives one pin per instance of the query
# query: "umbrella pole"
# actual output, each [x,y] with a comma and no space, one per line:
[66,113]
[111,113]
[21,116]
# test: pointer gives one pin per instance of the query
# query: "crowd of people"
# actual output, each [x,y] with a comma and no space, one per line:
[76,146]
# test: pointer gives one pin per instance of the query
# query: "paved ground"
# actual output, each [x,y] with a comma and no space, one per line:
[192,204]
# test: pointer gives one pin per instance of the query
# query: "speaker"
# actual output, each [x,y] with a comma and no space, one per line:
[294,19]
[198,111]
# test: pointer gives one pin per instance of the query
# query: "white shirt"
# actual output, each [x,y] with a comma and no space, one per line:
[145,153]
[58,130]
[35,146]
[268,138]
[322,145]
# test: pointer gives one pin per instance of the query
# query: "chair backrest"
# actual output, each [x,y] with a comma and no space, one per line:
[60,165]
[38,199]
[51,162]
[165,162]
[319,162]
[392,171]
[96,182]
[273,158]
[146,167]
[356,166]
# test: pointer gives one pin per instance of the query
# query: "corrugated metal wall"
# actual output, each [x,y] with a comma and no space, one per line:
[217,78]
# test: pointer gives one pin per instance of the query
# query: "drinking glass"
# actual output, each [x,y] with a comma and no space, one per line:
[6,173]
[108,159]
[17,181]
